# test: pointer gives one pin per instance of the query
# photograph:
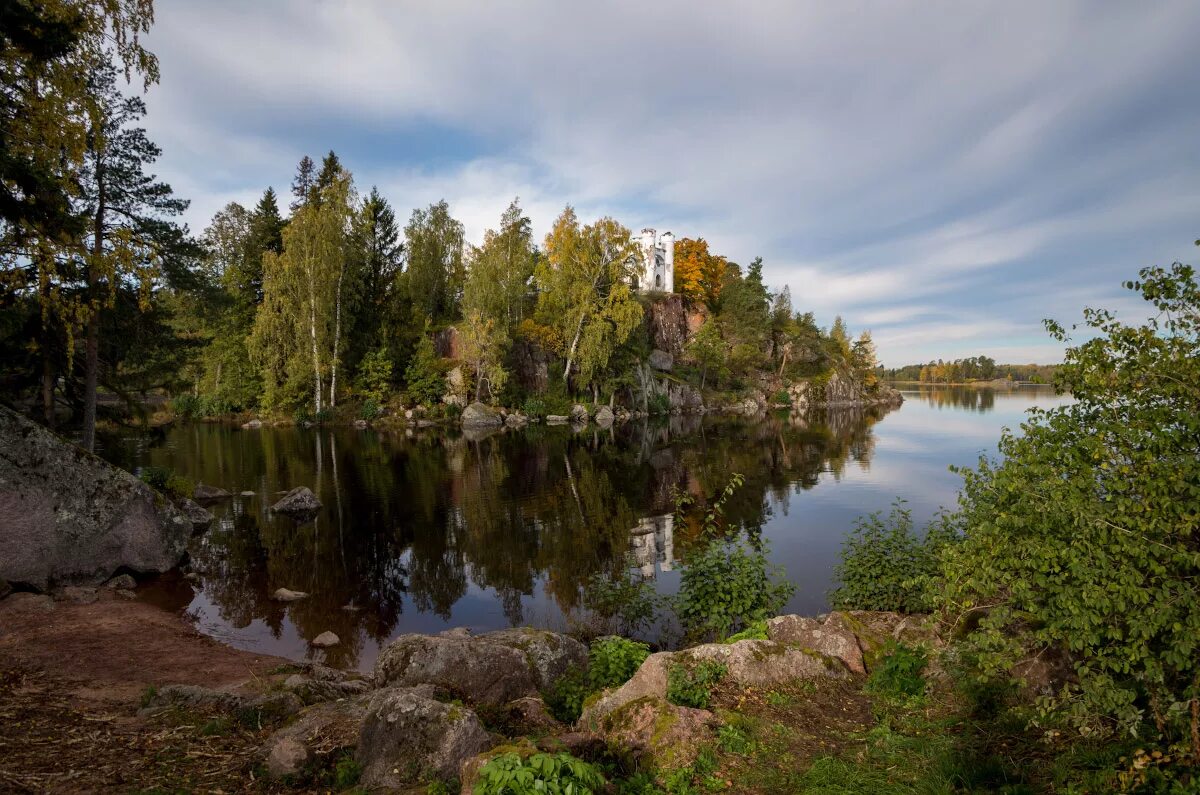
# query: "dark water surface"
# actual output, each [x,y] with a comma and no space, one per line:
[428,530]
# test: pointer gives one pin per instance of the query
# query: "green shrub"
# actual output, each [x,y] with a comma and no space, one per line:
[886,566]
[369,410]
[692,687]
[757,630]
[565,697]
[612,661]
[538,774]
[657,404]
[168,482]
[631,603]
[535,408]
[1083,536]
[733,740]
[325,415]
[901,672]
[373,380]
[425,376]
[346,772]
[782,397]
[186,406]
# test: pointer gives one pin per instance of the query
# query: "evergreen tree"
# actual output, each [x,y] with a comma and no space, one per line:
[304,182]
[434,241]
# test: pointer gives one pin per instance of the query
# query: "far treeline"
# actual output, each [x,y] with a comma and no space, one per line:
[972,368]
[326,308]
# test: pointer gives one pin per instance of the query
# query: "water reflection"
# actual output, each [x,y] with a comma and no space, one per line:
[421,531]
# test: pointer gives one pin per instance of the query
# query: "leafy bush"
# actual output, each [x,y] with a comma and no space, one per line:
[630,603]
[168,482]
[373,380]
[782,397]
[733,740]
[657,404]
[612,661]
[538,774]
[1084,536]
[692,687]
[325,415]
[565,697]
[756,630]
[886,566]
[728,586]
[346,772]
[901,673]
[187,406]
[534,408]
[425,375]
[369,410]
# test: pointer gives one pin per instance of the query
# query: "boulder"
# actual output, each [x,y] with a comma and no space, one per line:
[288,595]
[557,419]
[548,654]
[203,493]
[122,582]
[77,594]
[604,416]
[67,515]
[478,671]
[325,640]
[319,734]
[252,425]
[579,414]
[408,737]
[299,500]
[748,663]
[314,689]
[197,514]
[660,735]
[829,635]
[477,415]
[661,361]
[362,425]
[516,420]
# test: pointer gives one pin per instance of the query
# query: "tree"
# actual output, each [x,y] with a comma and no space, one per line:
[127,210]
[435,262]
[863,361]
[483,347]
[499,271]
[1084,538]
[424,379]
[377,256]
[585,290]
[699,274]
[303,183]
[303,291]
[708,349]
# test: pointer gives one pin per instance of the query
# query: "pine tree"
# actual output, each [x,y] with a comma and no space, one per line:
[303,184]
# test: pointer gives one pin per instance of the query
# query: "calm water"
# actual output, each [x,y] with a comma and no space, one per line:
[425,531]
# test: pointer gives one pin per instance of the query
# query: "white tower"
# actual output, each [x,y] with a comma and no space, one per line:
[668,249]
[657,272]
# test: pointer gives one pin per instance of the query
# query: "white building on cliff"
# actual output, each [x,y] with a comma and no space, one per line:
[657,272]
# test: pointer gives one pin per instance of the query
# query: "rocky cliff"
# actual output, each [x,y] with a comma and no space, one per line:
[67,516]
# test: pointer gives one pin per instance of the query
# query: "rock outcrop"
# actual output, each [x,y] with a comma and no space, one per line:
[319,734]
[197,514]
[66,515]
[407,736]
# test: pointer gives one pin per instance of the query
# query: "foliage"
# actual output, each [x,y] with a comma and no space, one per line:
[613,660]
[886,566]
[900,673]
[374,377]
[424,378]
[369,410]
[732,740]
[699,274]
[632,603]
[346,773]
[435,262]
[1084,537]
[534,408]
[692,686]
[171,483]
[540,773]
[658,404]
[756,630]
[708,350]
[566,695]
[782,397]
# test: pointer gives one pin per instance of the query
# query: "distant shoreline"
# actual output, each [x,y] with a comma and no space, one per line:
[996,384]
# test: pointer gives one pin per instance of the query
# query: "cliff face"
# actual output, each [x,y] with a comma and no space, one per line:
[672,322]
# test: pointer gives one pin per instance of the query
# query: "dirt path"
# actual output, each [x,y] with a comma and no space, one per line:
[72,678]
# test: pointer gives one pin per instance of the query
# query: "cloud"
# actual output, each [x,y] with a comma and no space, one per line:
[916,169]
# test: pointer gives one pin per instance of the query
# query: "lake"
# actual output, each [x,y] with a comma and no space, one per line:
[426,530]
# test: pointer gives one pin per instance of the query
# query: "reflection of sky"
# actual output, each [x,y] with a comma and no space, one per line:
[914,448]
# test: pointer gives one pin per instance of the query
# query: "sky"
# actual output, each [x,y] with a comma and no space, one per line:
[943,174]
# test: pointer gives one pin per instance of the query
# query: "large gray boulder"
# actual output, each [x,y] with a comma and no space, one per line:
[66,515]
[320,733]
[830,635]
[661,360]
[197,514]
[604,416]
[548,655]
[408,737]
[298,501]
[477,671]
[478,415]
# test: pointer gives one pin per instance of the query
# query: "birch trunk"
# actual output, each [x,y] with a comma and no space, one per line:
[92,345]
[337,336]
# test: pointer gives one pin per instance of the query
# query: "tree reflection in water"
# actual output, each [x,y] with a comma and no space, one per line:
[476,530]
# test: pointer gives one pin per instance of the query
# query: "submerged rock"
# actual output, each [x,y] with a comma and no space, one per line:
[66,515]
[556,419]
[407,737]
[299,500]
[326,639]
[288,595]
[203,493]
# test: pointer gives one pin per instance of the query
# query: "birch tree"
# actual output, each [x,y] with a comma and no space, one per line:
[585,291]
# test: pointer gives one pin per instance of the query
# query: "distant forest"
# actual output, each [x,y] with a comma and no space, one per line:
[972,368]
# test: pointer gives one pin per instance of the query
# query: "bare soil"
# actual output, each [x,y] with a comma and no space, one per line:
[72,679]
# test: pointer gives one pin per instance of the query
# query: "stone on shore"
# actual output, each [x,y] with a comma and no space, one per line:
[557,419]
[288,595]
[68,516]
[320,733]
[829,635]
[477,415]
[197,514]
[299,500]
[325,640]
[604,416]
[579,414]
[408,737]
